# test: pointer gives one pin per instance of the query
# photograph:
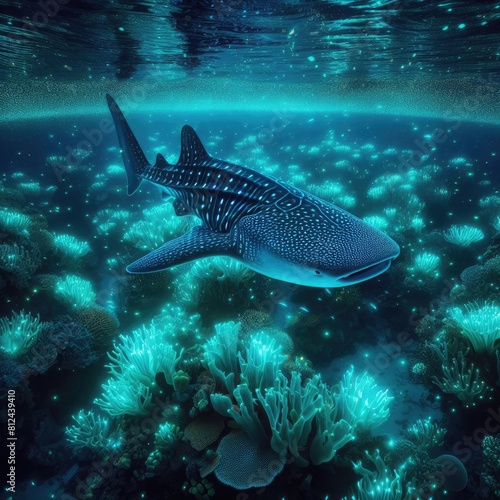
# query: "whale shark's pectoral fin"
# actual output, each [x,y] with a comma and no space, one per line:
[195,244]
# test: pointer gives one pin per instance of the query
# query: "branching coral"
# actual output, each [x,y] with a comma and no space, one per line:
[18,261]
[93,432]
[260,366]
[332,433]
[382,484]
[459,378]
[221,354]
[291,409]
[18,334]
[426,434]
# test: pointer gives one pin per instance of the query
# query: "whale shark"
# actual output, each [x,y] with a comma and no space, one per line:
[268,225]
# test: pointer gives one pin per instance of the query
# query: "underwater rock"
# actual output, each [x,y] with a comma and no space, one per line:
[180,381]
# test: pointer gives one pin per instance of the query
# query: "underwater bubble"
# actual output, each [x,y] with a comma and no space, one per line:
[454,473]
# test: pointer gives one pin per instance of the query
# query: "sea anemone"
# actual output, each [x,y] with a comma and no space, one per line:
[75,292]
[72,248]
[377,221]
[92,431]
[18,334]
[480,323]
[427,263]
[463,235]
[15,223]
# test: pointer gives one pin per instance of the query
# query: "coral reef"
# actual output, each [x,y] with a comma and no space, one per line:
[491,463]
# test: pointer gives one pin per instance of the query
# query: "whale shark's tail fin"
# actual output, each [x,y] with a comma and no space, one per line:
[133,157]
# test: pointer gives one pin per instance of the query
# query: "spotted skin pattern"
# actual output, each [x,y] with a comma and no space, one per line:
[270,226]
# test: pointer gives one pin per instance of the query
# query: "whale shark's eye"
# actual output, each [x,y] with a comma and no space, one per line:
[317,272]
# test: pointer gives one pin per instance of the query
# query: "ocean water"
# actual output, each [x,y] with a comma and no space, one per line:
[211,379]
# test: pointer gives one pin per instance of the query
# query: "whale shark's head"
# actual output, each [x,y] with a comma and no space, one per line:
[348,254]
[336,248]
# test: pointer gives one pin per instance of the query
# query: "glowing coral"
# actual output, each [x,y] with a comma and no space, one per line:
[15,222]
[71,247]
[135,361]
[18,334]
[463,236]
[93,432]
[480,323]
[75,292]
[362,402]
[427,263]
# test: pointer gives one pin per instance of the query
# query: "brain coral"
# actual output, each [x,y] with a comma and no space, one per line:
[245,463]
[204,430]
[102,324]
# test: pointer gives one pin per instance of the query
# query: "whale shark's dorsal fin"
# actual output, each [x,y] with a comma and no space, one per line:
[161,162]
[192,150]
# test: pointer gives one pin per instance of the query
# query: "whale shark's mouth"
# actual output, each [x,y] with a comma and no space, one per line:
[366,273]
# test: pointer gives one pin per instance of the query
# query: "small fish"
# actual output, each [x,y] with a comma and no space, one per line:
[268,225]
